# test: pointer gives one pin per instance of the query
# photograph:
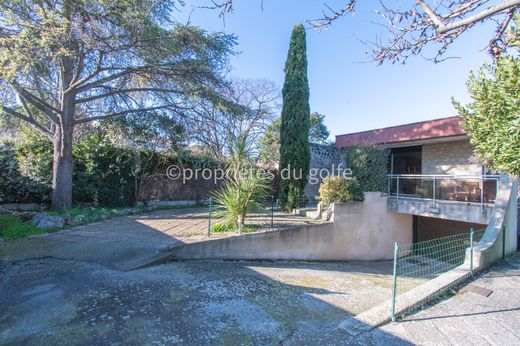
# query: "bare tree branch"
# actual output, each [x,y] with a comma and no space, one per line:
[411,29]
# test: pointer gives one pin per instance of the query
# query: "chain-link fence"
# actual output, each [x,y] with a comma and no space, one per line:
[419,263]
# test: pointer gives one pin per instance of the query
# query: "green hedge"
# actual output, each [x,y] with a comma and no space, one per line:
[104,174]
[369,165]
[16,184]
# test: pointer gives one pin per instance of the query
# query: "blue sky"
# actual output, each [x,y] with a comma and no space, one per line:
[354,95]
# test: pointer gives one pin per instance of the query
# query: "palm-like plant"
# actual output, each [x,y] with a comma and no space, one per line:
[245,189]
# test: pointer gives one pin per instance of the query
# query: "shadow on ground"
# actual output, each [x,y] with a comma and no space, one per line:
[75,287]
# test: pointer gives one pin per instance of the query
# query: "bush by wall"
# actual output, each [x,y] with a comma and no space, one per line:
[341,190]
[104,174]
[369,166]
[15,185]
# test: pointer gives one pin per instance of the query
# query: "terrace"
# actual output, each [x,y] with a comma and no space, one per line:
[467,198]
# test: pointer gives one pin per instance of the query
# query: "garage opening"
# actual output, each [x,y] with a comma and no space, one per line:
[428,228]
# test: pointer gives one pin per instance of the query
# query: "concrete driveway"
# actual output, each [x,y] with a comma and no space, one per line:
[77,287]
[471,317]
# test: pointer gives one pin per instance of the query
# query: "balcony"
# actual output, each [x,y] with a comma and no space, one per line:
[467,198]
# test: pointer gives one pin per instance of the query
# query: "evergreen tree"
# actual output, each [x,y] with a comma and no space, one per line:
[294,132]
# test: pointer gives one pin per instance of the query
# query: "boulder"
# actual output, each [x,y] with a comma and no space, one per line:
[104,214]
[78,219]
[26,216]
[38,217]
[44,221]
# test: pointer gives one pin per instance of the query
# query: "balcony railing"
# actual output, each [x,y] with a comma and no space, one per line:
[480,189]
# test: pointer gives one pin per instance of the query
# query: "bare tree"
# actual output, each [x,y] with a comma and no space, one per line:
[411,27]
[248,107]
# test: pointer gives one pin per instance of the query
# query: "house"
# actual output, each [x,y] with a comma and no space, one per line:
[435,189]
[433,176]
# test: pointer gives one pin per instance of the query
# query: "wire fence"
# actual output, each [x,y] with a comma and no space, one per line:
[270,217]
[418,263]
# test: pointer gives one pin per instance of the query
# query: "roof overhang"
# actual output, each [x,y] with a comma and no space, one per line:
[424,132]
[425,141]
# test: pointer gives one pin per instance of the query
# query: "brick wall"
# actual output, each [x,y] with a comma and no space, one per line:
[449,158]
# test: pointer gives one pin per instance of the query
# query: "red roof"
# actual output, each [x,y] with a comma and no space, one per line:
[438,128]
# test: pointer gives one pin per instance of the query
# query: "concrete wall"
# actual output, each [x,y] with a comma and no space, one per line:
[493,246]
[458,211]
[449,158]
[359,231]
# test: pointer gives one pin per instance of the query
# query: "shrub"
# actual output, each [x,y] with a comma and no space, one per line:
[369,166]
[341,190]
[103,173]
[245,190]
[14,185]
[237,199]
[221,228]
[35,155]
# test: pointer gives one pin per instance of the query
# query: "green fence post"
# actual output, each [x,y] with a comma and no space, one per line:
[209,217]
[503,241]
[471,251]
[394,284]
[328,194]
[272,211]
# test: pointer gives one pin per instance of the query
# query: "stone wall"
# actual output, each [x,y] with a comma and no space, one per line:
[164,189]
[449,158]
[322,157]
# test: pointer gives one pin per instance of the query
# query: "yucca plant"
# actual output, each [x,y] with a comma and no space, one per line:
[244,191]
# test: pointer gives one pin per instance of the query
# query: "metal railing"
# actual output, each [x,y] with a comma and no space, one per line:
[480,189]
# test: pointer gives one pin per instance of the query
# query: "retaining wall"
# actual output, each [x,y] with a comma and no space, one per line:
[358,231]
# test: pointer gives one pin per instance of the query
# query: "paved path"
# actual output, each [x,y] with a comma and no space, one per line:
[62,302]
[192,224]
[126,242]
[76,287]
[467,318]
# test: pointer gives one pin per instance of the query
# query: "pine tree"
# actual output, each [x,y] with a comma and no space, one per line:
[294,132]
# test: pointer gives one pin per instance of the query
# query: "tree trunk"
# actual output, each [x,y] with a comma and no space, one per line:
[63,133]
[63,162]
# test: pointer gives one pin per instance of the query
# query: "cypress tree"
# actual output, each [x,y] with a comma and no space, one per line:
[294,130]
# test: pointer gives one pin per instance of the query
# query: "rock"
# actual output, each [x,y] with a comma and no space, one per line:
[4,211]
[151,208]
[104,214]
[26,216]
[67,219]
[122,212]
[44,221]
[38,217]
[78,219]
